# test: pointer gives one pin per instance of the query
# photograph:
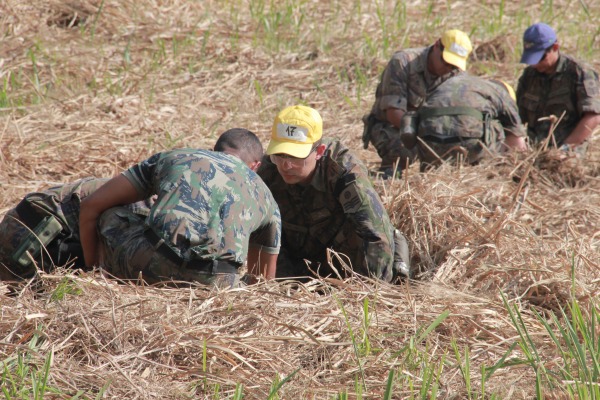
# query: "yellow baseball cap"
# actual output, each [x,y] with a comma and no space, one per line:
[457,47]
[506,86]
[295,129]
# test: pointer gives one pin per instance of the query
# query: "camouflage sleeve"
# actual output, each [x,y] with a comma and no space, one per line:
[268,236]
[82,188]
[588,91]
[141,175]
[364,209]
[508,114]
[394,83]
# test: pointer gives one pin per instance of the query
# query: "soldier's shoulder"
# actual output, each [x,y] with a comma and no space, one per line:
[405,56]
[344,162]
[578,67]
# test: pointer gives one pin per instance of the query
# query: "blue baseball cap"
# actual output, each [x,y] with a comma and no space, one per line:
[536,39]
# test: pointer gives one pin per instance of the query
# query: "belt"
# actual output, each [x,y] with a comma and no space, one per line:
[209,266]
[447,140]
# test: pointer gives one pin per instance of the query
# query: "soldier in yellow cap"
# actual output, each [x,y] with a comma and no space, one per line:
[327,201]
[405,82]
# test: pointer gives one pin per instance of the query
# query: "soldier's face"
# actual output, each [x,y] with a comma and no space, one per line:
[436,63]
[298,170]
[547,64]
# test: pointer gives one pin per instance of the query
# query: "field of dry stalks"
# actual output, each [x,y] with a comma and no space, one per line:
[91,87]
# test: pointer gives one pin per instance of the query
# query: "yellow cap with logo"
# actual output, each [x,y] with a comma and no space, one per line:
[295,130]
[457,47]
[506,86]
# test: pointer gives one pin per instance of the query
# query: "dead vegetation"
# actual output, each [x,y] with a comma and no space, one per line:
[92,87]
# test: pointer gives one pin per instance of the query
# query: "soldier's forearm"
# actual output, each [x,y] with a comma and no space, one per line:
[584,129]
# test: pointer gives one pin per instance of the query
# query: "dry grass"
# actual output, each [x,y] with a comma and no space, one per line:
[96,86]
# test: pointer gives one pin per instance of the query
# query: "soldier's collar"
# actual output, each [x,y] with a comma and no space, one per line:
[422,64]
[320,175]
[561,63]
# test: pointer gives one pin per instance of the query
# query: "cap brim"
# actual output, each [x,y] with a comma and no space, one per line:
[532,57]
[297,150]
[451,58]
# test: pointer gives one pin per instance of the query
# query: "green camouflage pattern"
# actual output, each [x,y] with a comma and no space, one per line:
[385,138]
[465,90]
[339,210]
[126,253]
[61,202]
[404,85]
[573,89]
[209,206]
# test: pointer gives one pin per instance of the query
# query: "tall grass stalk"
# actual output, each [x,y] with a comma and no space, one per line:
[277,384]
[528,347]
[575,334]
[421,362]
[96,17]
[355,345]
[23,378]
[31,53]
[465,369]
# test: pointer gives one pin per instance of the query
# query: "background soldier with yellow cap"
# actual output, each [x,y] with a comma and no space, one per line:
[327,201]
[553,84]
[463,114]
[405,82]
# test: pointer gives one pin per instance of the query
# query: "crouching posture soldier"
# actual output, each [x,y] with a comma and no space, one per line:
[212,212]
[42,231]
[554,84]
[460,117]
[327,202]
[407,79]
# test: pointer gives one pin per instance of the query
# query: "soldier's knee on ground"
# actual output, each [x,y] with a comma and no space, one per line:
[401,256]
[14,246]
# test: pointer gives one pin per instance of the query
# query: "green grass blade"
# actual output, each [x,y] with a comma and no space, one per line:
[276,388]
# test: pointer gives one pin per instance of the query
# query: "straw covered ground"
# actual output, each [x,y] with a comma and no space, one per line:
[91,87]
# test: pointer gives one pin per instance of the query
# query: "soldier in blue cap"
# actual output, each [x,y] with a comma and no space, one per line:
[554,84]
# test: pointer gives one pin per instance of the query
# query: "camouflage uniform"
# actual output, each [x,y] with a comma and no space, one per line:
[572,89]
[340,210]
[462,113]
[404,85]
[210,208]
[44,228]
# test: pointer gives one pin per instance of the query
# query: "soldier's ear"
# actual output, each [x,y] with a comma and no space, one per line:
[255,165]
[320,150]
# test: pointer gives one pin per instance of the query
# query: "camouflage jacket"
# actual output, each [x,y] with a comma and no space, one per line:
[405,82]
[572,89]
[340,194]
[465,90]
[209,205]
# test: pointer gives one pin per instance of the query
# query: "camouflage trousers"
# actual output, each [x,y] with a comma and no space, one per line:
[43,231]
[386,140]
[350,248]
[13,232]
[127,253]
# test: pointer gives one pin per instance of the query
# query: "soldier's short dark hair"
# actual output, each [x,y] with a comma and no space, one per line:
[245,143]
